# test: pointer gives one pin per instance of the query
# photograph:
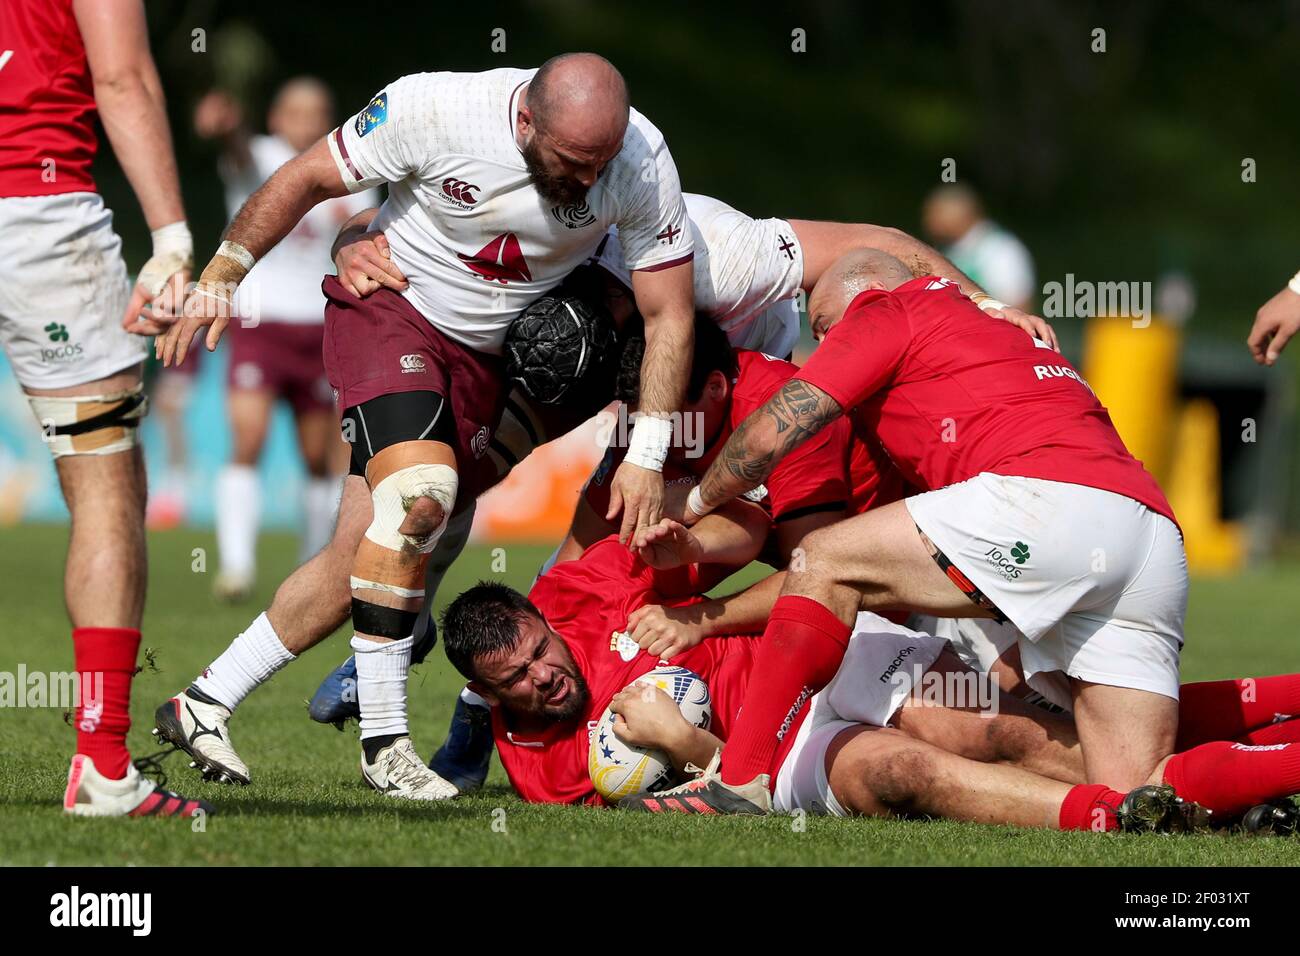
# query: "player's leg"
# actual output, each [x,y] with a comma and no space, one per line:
[879,772]
[874,560]
[318,437]
[411,470]
[876,771]
[239,489]
[169,400]
[964,712]
[302,382]
[64,293]
[101,472]
[335,700]
[310,605]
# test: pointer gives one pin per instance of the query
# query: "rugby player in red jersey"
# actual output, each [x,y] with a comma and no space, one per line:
[876,741]
[64,302]
[1031,510]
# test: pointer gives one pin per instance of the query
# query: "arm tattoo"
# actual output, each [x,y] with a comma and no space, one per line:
[790,417]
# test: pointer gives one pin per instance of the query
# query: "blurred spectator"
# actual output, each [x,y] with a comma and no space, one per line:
[276,344]
[954,220]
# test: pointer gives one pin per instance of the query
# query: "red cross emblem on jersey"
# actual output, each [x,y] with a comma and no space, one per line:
[669,234]
[501,259]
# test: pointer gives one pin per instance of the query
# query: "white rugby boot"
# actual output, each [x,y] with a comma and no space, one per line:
[201,730]
[399,772]
[90,794]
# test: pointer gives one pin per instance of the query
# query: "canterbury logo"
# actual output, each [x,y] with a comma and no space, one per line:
[460,191]
[411,363]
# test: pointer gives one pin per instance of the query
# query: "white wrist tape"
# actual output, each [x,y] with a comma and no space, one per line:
[695,501]
[233,250]
[988,302]
[1294,284]
[648,446]
[173,252]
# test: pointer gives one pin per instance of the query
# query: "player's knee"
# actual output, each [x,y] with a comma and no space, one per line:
[424,517]
[1010,740]
[411,507]
[90,424]
[896,778]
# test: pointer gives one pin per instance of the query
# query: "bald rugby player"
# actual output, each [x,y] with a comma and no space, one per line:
[500,183]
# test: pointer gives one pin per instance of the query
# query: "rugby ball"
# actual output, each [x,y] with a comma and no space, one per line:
[618,769]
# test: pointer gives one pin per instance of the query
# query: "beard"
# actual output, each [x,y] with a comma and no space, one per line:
[574,705]
[554,190]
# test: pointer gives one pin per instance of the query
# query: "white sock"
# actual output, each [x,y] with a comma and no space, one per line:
[248,662]
[320,503]
[239,509]
[381,685]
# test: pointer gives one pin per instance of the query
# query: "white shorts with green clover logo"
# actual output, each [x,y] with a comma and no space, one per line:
[63,289]
[1095,582]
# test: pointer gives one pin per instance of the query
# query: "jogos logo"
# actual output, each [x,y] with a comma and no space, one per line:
[63,350]
[1008,564]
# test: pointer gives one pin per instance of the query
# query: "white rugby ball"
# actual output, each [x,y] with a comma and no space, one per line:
[618,769]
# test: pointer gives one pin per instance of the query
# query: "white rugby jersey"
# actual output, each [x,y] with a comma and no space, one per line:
[284,285]
[466,226]
[747,273]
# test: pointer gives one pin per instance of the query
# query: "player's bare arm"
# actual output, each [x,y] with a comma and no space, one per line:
[363,258]
[824,242]
[731,537]
[789,418]
[268,216]
[647,717]
[130,100]
[667,631]
[665,300]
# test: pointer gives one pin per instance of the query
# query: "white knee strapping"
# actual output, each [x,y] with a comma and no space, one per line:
[90,424]
[396,493]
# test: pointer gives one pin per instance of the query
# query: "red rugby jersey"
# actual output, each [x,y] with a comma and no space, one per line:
[950,393]
[47,101]
[815,477]
[587,602]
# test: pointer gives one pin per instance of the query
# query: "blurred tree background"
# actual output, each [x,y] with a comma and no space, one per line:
[1115,166]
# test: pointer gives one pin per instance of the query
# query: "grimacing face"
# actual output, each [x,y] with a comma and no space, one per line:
[538,678]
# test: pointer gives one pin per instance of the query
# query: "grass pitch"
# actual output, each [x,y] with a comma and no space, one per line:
[308,806]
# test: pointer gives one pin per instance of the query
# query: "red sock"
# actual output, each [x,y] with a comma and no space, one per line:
[1226,709]
[1091,806]
[1230,778]
[106,662]
[1286,732]
[800,653]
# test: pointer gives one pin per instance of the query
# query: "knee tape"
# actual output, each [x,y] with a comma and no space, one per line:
[393,496]
[90,424]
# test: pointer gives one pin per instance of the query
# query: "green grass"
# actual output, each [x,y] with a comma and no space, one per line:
[307,805]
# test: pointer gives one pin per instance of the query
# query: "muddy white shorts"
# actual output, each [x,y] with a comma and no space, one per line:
[1095,582]
[63,289]
[884,661]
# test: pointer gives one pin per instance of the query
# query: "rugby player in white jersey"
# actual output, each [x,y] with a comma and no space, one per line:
[276,344]
[500,183]
[748,274]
